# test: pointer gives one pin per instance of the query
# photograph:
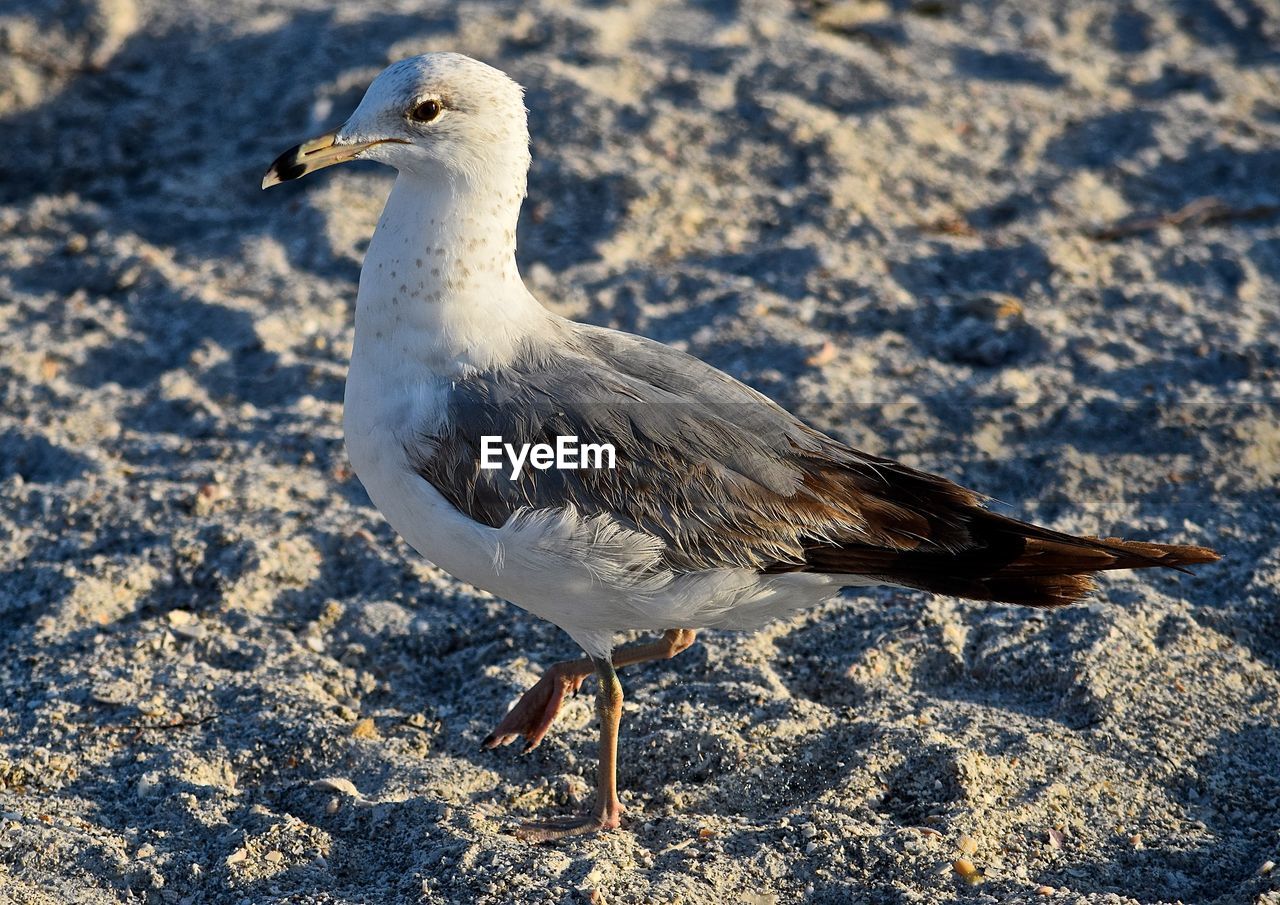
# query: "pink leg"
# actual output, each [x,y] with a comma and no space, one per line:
[606,813]
[536,710]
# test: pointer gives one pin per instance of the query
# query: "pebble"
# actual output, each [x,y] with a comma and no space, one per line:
[1266,868]
[824,355]
[237,856]
[206,495]
[145,851]
[337,784]
[274,857]
[844,18]
[364,729]
[148,784]
[192,631]
[993,305]
[966,870]
[1045,890]
[117,692]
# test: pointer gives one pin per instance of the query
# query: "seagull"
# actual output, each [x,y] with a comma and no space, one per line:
[719,509]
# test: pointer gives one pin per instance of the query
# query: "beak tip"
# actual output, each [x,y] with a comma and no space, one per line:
[278,173]
[287,166]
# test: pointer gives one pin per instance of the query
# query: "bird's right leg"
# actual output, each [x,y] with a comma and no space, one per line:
[606,813]
[536,710]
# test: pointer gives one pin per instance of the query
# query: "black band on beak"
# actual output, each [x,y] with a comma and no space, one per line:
[286,167]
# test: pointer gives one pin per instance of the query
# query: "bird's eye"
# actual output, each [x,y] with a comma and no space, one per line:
[425,112]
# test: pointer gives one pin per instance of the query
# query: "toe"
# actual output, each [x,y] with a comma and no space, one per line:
[594,821]
[539,831]
[496,740]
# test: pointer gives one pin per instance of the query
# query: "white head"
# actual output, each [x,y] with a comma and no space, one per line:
[438,116]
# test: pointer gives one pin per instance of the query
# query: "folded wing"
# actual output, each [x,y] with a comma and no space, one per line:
[725,478]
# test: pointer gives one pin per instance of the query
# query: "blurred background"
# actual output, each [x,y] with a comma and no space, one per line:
[1032,246]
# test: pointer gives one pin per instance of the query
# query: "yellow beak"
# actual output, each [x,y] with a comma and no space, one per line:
[316,154]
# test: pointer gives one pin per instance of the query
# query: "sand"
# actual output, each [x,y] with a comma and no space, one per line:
[224,680]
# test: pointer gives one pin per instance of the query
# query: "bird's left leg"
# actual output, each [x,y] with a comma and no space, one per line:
[534,713]
[606,812]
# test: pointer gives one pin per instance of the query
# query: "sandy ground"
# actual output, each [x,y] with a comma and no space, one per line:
[223,680]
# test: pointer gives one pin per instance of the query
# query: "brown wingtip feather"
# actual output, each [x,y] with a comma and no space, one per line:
[1011,562]
[1173,556]
[1056,570]
[1051,574]
[1051,590]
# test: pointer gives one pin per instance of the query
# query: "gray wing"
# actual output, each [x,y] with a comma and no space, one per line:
[722,475]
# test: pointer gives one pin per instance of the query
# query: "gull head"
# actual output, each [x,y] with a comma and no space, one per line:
[439,116]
